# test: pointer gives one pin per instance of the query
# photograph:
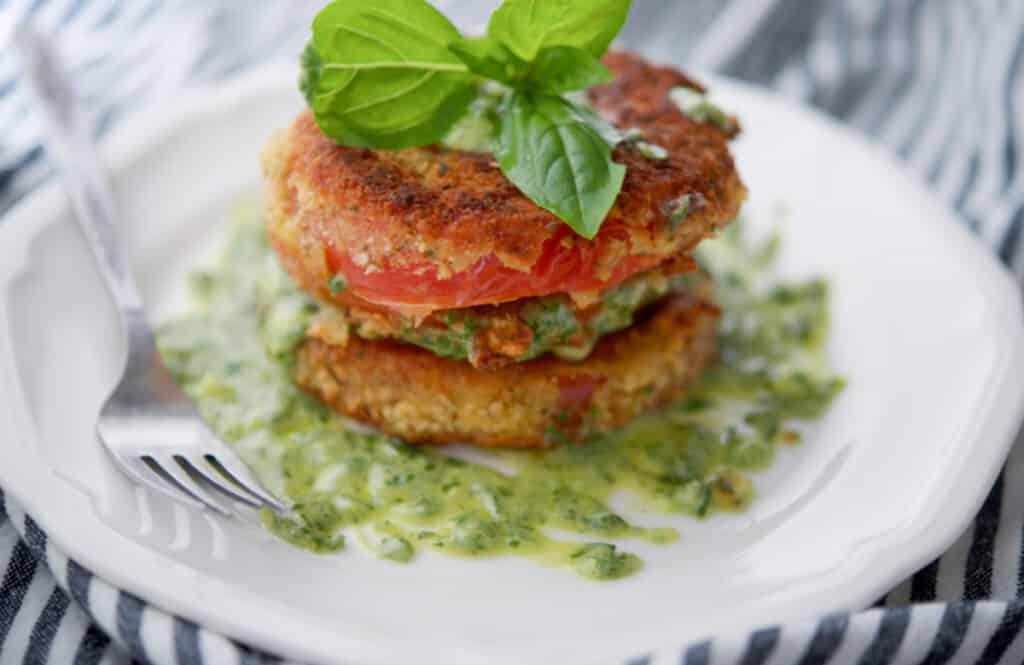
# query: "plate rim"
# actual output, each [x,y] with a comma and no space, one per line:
[145,129]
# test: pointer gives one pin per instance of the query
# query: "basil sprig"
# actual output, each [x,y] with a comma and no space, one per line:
[391,74]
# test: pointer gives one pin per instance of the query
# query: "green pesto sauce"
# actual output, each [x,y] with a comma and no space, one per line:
[698,108]
[348,485]
[474,131]
[556,325]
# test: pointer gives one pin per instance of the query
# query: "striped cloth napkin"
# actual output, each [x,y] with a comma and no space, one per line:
[939,82]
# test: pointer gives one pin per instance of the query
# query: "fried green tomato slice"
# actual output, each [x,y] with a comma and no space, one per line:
[422,398]
[429,228]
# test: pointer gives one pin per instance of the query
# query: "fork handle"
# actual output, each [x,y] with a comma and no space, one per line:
[67,137]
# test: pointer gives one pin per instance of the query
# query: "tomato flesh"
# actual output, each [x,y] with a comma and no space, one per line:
[559,269]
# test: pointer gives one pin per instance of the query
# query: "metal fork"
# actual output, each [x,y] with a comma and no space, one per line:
[148,425]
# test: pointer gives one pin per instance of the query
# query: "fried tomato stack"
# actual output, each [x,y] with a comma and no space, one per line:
[454,309]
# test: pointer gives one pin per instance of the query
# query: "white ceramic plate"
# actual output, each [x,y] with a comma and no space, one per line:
[928,330]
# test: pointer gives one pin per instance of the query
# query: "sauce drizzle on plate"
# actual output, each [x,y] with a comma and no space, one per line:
[233,352]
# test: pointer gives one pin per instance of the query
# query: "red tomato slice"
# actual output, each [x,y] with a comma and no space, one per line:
[559,269]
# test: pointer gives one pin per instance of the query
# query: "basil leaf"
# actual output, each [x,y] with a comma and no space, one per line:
[309,72]
[489,58]
[556,69]
[559,69]
[609,132]
[386,77]
[556,159]
[527,26]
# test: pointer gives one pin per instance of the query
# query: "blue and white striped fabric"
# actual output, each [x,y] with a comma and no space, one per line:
[940,82]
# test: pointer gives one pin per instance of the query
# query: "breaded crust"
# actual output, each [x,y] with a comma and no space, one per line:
[444,213]
[638,97]
[413,394]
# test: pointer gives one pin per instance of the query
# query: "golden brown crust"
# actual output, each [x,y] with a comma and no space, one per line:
[441,212]
[638,97]
[424,399]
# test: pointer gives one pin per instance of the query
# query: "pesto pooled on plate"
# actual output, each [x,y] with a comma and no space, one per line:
[234,353]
